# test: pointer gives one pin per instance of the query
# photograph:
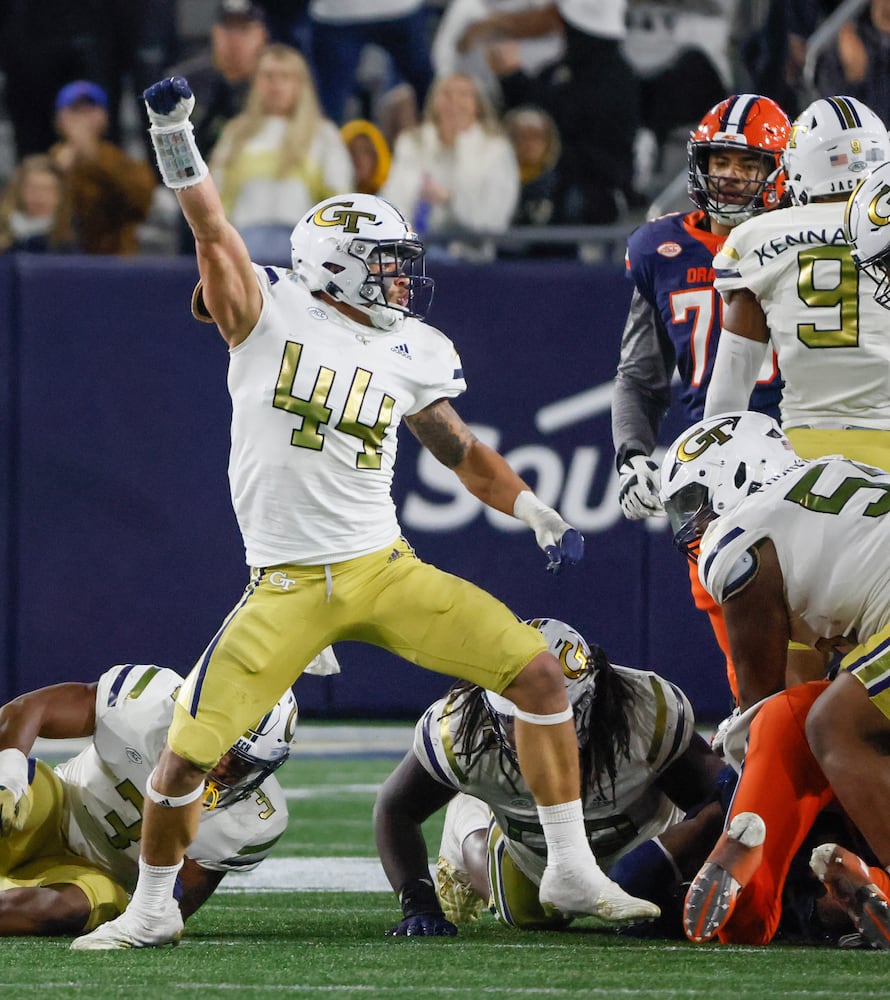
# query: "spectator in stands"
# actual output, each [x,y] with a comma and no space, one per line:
[370,152]
[279,157]
[111,192]
[220,76]
[44,45]
[858,63]
[593,98]
[397,111]
[681,53]
[340,29]
[529,56]
[535,140]
[35,213]
[457,170]
[774,53]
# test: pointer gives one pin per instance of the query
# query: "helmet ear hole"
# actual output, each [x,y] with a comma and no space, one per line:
[740,476]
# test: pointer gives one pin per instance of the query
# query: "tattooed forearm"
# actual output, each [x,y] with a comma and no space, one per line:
[439,429]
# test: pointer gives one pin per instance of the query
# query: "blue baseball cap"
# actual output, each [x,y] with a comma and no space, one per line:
[81,90]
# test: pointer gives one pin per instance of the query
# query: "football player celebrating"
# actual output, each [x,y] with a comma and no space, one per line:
[642,766]
[675,318]
[69,837]
[795,549]
[325,362]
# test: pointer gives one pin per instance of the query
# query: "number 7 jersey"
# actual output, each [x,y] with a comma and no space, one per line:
[830,335]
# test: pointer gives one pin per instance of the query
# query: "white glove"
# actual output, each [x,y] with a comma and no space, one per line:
[15,803]
[639,482]
[562,544]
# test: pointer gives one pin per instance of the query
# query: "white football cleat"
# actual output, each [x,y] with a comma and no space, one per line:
[590,893]
[128,931]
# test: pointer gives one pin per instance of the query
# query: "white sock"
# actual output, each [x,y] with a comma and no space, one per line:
[154,889]
[564,832]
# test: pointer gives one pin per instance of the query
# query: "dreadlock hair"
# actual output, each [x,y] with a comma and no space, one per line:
[604,721]
[608,725]
[476,731]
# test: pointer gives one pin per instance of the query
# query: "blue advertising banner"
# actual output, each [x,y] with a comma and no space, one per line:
[126,548]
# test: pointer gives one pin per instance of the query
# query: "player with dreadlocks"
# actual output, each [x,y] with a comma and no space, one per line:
[642,765]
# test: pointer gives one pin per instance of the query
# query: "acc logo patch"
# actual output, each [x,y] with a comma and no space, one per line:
[317,313]
[669,249]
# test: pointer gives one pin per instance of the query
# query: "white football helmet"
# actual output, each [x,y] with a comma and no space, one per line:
[834,143]
[349,246]
[578,665]
[865,228]
[713,465]
[254,756]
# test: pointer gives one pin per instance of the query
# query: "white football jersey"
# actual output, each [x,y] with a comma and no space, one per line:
[661,727]
[830,335]
[105,783]
[316,403]
[828,520]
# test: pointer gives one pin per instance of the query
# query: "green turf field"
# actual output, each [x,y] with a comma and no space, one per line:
[252,944]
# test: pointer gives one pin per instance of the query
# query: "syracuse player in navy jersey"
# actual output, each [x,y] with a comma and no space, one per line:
[675,314]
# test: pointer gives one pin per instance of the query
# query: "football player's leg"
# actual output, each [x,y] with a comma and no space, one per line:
[44,889]
[784,788]
[461,867]
[849,731]
[657,869]
[41,834]
[514,896]
[56,896]
[862,892]
[451,626]
[256,655]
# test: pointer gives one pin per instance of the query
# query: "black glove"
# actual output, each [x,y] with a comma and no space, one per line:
[422,914]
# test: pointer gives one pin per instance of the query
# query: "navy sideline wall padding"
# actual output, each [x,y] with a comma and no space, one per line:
[118,537]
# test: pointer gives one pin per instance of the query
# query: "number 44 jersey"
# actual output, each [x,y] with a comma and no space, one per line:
[105,784]
[316,403]
[829,520]
[830,335]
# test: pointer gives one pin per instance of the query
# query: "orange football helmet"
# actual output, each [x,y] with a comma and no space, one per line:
[741,122]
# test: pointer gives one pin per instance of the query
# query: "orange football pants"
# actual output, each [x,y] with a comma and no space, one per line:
[782,782]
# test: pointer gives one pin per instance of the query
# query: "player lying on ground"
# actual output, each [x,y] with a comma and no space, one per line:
[69,837]
[643,766]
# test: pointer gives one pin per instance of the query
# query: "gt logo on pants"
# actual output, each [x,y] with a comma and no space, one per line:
[279,579]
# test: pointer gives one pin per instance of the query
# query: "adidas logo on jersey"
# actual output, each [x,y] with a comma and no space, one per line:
[403,350]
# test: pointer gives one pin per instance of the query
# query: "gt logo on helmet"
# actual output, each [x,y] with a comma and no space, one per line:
[335,215]
[713,435]
[875,217]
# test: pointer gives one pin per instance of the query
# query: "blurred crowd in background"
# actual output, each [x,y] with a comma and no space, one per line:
[477,118]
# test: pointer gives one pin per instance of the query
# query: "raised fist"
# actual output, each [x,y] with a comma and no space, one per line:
[169,102]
